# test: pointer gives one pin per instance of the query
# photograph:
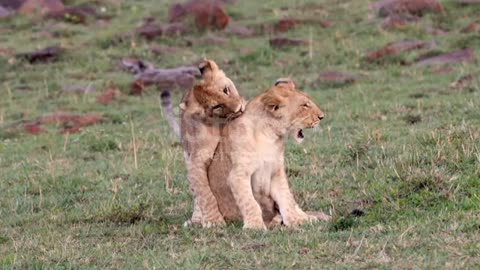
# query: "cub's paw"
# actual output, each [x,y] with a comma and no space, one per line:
[276,221]
[255,225]
[196,219]
[299,219]
[192,222]
[213,221]
[320,216]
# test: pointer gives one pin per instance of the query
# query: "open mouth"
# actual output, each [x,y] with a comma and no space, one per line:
[299,136]
[239,111]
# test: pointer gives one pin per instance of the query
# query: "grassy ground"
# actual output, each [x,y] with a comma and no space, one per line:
[401,146]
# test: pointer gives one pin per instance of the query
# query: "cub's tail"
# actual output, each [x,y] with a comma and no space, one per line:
[168,112]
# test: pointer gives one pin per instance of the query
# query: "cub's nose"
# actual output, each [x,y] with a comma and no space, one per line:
[321,116]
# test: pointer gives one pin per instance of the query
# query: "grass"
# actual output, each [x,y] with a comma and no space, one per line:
[396,161]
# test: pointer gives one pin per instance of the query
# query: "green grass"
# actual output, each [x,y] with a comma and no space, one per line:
[400,145]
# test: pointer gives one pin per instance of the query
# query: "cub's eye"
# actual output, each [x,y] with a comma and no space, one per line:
[226,90]
[306,105]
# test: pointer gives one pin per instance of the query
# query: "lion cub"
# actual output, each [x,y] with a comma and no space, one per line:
[206,108]
[247,174]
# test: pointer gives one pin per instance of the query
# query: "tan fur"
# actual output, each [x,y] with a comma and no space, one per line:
[247,174]
[205,110]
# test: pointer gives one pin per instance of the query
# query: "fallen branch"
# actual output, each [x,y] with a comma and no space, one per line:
[182,77]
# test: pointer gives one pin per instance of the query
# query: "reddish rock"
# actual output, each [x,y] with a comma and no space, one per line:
[206,14]
[107,96]
[70,119]
[137,88]
[472,27]
[285,24]
[417,7]
[336,77]
[71,123]
[397,48]
[33,128]
[42,6]
[151,30]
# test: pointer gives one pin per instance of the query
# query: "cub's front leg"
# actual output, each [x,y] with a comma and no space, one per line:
[239,181]
[291,213]
[205,204]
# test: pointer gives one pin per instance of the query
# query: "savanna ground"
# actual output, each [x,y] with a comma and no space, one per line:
[396,160]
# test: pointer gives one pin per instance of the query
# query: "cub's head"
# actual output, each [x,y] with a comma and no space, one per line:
[216,93]
[292,109]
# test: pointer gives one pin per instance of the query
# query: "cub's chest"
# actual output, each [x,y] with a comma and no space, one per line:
[262,178]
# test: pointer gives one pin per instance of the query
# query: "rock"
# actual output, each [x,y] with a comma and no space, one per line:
[42,55]
[472,27]
[240,31]
[108,96]
[416,7]
[12,4]
[394,48]
[465,55]
[41,6]
[5,12]
[283,42]
[151,30]
[207,14]
[74,14]
[336,77]
[394,21]
[135,65]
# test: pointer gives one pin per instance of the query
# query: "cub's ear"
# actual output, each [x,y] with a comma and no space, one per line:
[285,82]
[207,69]
[273,103]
